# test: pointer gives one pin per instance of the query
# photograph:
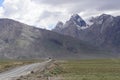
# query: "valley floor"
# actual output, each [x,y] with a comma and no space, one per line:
[107,69]
[104,69]
[10,64]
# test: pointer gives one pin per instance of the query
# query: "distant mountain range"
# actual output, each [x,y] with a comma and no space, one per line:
[76,39]
[102,31]
[21,41]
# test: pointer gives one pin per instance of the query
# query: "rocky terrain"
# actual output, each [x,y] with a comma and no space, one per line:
[21,41]
[50,72]
[76,39]
[102,31]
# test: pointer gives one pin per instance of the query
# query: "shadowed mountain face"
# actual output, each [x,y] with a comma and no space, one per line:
[21,41]
[71,27]
[104,31]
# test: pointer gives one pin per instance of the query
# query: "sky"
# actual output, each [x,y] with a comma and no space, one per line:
[1,1]
[46,13]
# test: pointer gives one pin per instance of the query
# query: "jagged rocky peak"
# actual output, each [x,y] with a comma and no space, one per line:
[78,20]
[105,16]
[74,23]
[76,17]
[59,24]
[102,18]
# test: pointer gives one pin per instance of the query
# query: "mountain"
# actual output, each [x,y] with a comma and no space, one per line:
[59,26]
[104,31]
[21,41]
[71,27]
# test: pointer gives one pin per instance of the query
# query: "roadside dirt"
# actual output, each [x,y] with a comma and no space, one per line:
[48,73]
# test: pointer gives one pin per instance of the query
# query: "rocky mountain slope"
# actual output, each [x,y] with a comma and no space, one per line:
[71,27]
[21,41]
[104,31]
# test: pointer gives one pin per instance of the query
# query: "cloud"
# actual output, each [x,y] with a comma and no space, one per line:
[22,10]
[46,13]
[83,4]
[1,11]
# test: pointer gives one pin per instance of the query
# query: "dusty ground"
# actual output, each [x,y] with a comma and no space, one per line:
[49,73]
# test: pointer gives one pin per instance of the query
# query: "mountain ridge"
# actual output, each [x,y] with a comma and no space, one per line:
[104,32]
[21,41]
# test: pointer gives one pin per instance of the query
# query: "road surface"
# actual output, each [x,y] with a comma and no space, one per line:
[23,70]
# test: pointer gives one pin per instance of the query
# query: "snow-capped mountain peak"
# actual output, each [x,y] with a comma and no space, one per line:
[76,19]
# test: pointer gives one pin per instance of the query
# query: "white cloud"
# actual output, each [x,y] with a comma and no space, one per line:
[1,11]
[46,14]
[22,10]
[32,13]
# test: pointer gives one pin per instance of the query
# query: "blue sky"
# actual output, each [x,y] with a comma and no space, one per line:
[1,1]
